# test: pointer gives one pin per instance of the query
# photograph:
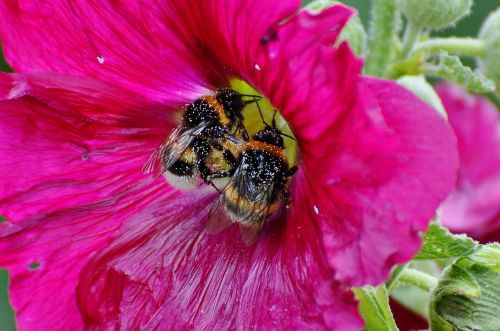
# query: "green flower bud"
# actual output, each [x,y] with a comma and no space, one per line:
[435,14]
[490,34]
[355,35]
[353,32]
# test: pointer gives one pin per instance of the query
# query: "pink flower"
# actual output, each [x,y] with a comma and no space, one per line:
[474,205]
[96,88]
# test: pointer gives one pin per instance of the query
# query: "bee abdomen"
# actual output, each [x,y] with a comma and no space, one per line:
[241,209]
[182,168]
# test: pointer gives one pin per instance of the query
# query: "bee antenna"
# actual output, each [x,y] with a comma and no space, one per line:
[255,99]
[274,118]
[288,136]
[251,95]
[261,115]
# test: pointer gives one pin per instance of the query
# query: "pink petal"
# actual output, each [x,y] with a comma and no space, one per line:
[60,134]
[169,51]
[405,157]
[61,243]
[376,161]
[474,206]
[379,159]
[69,176]
[165,266]
[303,76]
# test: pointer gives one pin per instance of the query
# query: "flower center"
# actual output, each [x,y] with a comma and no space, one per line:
[253,121]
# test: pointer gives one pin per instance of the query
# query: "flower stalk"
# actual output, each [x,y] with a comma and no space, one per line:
[419,279]
[411,36]
[454,45]
[396,274]
[382,34]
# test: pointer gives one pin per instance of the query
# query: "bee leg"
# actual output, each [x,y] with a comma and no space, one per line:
[228,156]
[216,145]
[243,132]
[286,197]
[218,174]
[206,174]
[230,159]
[290,172]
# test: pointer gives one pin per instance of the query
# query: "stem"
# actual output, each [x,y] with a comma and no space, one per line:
[453,45]
[411,36]
[396,273]
[419,279]
[382,34]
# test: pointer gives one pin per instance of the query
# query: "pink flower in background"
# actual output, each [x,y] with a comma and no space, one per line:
[92,242]
[474,206]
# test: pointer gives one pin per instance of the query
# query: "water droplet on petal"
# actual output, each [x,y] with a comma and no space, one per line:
[85,156]
[257,67]
[100,59]
[316,209]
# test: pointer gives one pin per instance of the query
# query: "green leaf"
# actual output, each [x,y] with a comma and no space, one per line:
[355,35]
[374,307]
[439,243]
[488,255]
[451,68]
[7,319]
[3,65]
[382,36]
[354,32]
[468,294]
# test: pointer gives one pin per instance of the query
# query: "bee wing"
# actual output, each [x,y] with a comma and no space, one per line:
[250,232]
[250,216]
[252,223]
[165,155]
[178,142]
[217,219]
[153,164]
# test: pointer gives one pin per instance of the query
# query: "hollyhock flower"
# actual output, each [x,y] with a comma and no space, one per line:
[93,242]
[474,205]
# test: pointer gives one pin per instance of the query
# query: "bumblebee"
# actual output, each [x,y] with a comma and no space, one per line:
[212,124]
[257,187]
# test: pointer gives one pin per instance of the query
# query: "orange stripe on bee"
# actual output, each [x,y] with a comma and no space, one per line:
[219,109]
[271,149]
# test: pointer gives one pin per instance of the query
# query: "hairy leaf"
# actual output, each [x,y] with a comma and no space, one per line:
[451,68]
[439,243]
[374,307]
[382,36]
[468,293]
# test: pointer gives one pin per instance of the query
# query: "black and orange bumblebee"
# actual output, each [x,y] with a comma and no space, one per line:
[257,188]
[205,142]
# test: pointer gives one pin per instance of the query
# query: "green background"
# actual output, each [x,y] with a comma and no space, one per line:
[467,27]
